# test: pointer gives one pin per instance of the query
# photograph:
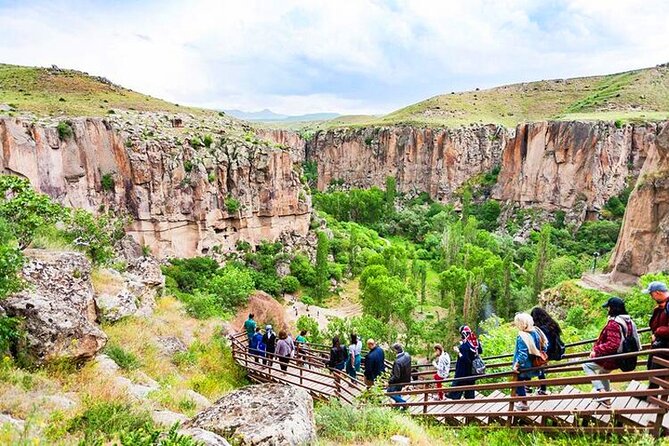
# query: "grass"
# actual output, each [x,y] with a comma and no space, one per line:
[124,359]
[44,91]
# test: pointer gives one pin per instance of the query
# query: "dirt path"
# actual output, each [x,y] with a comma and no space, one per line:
[344,307]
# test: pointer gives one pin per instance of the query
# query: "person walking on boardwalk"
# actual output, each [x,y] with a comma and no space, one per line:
[283,350]
[531,347]
[552,331]
[352,357]
[375,362]
[301,345]
[337,355]
[250,327]
[257,345]
[358,353]
[609,342]
[659,322]
[269,339]
[401,374]
[467,351]
[442,363]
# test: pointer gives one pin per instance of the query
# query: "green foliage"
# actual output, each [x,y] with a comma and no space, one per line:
[107,182]
[25,210]
[309,324]
[105,419]
[387,296]
[576,317]
[322,286]
[65,130]
[302,268]
[597,236]
[157,437]
[347,424]
[188,166]
[362,206]
[10,333]
[310,169]
[290,284]
[124,359]
[391,194]
[232,205]
[231,286]
[208,140]
[370,272]
[11,262]
[487,214]
[96,235]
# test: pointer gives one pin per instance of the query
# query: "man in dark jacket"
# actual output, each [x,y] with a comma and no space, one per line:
[374,362]
[659,322]
[401,374]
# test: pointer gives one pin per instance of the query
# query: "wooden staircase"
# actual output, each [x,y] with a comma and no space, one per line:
[570,407]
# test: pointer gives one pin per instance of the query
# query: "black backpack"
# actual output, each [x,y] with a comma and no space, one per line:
[557,349]
[628,345]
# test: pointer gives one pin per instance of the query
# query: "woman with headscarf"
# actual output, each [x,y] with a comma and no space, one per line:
[530,343]
[469,348]
[269,339]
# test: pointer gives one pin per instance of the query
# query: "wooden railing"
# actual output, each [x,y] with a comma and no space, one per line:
[569,409]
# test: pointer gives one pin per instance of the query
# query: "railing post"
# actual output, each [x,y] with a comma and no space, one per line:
[301,371]
[425,397]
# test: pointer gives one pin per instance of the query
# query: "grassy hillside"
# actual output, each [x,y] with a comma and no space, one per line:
[633,95]
[47,91]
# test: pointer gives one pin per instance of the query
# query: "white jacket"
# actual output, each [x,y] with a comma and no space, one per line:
[443,365]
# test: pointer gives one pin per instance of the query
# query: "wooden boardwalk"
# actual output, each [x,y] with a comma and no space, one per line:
[571,406]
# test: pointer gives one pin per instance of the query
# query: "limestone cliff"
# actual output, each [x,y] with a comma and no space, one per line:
[643,243]
[437,161]
[172,175]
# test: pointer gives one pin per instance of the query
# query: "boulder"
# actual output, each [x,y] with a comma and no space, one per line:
[57,307]
[205,437]
[11,421]
[169,345]
[265,414]
[167,417]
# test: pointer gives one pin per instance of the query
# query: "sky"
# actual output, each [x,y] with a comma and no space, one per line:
[344,56]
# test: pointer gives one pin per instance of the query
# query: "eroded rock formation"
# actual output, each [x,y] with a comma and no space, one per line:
[643,243]
[171,183]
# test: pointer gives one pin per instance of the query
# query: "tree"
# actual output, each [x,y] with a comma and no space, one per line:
[453,283]
[322,274]
[370,272]
[309,324]
[302,268]
[385,296]
[391,194]
[11,261]
[96,234]
[541,259]
[290,284]
[231,286]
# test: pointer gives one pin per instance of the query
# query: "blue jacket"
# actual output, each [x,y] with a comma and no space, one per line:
[375,363]
[521,355]
[257,345]
[463,367]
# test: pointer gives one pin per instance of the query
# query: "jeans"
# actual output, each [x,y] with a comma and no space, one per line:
[456,395]
[592,368]
[396,398]
[520,390]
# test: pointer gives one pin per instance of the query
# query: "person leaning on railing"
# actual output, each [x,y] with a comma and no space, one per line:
[659,321]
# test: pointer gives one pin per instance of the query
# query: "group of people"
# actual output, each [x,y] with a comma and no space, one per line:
[538,341]
[269,345]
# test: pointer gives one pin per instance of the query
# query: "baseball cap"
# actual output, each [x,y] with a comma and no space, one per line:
[655,286]
[614,302]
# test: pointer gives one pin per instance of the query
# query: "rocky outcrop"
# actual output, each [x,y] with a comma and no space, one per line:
[172,184]
[266,414]
[571,166]
[437,161]
[643,242]
[57,307]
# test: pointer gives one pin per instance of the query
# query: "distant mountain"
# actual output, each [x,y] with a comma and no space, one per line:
[269,116]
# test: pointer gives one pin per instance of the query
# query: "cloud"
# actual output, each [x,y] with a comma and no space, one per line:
[350,56]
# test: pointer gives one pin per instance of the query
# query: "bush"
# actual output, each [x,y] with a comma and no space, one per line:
[231,287]
[11,262]
[10,333]
[65,130]
[232,205]
[576,317]
[157,437]
[290,284]
[96,235]
[348,424]
[188,166]
[302,268]
[107,182]
[267,282]
[208,140]
[124,359]
[191,274]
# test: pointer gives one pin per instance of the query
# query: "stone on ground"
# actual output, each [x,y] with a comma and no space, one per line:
[205,437]
[167,417]
[265,414]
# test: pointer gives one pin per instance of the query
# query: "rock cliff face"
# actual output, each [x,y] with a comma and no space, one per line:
[172,184]
[573,166]
[430,160]
[643,242]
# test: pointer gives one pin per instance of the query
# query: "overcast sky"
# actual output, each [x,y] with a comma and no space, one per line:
[346,56]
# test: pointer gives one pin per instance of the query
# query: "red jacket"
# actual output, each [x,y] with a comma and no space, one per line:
[608,343]
[659,323]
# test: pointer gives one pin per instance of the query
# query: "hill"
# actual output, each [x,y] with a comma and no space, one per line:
[267,115]
[55,91]
[633,95]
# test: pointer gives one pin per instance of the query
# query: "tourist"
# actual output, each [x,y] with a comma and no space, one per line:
[659,322]
[552,330]
[250,327]
[401,374]
[353,358]
[609,343]
[469,348]
[337,355]
[291,343]
[442,363]
[358,354]
[375,362]
[301,345]
[258,347]
[283,350]
[531,347]
[269,339]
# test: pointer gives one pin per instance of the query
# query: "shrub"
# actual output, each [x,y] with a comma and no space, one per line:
[65,130]
[208,140]
[309,324]
[302,268]
[96,235]
[576,317]
[107,182]
[268,282]
[231,287]
[191,274]
[348,424]
[188,166]
[290,284]
[157,437]
[232,205]
[10,333]
[11,262]
[126,360]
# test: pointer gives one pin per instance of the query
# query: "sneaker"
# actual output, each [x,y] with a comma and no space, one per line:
[606,402]
[543,392]
[523,407]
